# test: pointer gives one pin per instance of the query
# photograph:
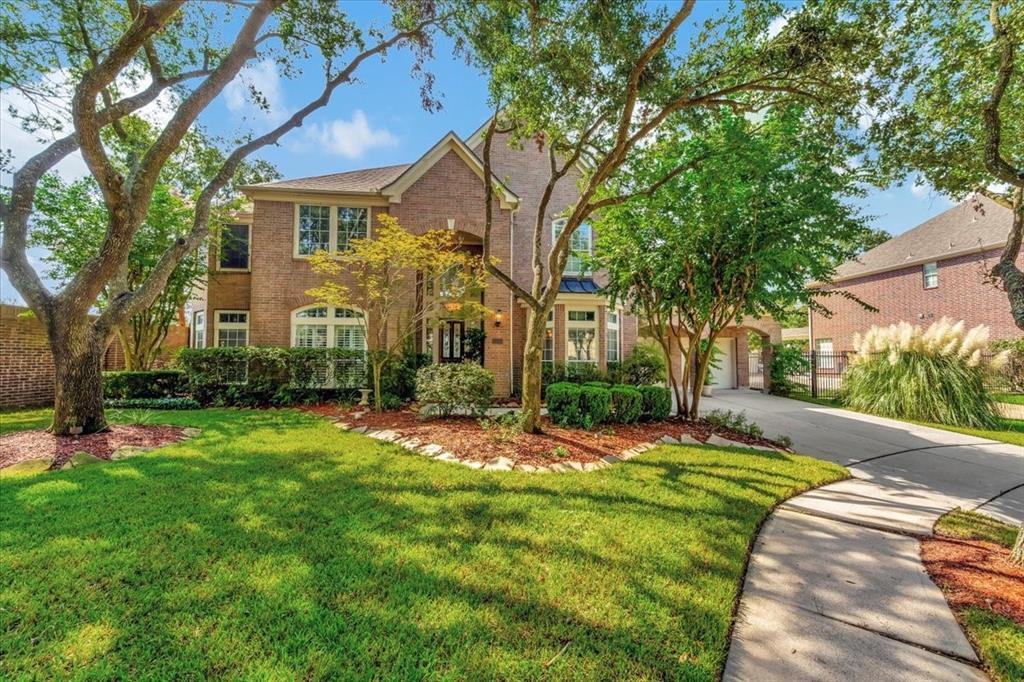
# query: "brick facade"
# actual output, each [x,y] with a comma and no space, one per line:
[963,293]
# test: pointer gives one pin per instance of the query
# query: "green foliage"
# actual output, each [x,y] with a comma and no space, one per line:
[447,387]
[657,402]
[788,360]
[250,376]
[503,428]
[152,403]
[1011,377]
[156,383]
[398,377]
[727,420]
[643,366]
[563,401]
[134,416]
[627,404]
[473,345]
[595,405]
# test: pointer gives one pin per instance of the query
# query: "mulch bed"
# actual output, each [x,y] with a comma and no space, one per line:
[465,438]
[976,573]
[26,445]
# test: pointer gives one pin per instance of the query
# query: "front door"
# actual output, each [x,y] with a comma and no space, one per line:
[453,336]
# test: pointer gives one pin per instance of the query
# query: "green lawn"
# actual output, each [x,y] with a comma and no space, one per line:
[274,546]
[21,420]
[1000,641]
[1009,431]
[1013,398]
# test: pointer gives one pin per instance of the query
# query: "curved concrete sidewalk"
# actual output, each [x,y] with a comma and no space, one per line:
[835,589]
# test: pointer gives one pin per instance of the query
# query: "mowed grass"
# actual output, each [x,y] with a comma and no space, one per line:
[999,640]
[274,546]
[23,420]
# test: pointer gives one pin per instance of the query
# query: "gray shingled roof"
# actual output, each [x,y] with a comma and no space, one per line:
[977,223]
[364,180]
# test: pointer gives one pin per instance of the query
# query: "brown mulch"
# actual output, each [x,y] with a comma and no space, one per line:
[976,573]
[38,444]
[465,438]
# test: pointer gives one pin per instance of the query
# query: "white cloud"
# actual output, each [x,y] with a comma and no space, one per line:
[351,138]
[777,24]
[262,77]
[920,189]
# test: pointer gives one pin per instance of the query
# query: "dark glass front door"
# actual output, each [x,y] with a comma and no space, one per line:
[453,337]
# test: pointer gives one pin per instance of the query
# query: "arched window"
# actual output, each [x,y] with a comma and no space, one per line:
[328,327]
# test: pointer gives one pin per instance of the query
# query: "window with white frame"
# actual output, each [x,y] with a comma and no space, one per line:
[581,245]
[581,336]
[199,329]
[232,328]
[313,229]
[353,223]
[549,339]
[327,327]
[931,275]
[233,252]
[612,332]
[325,227]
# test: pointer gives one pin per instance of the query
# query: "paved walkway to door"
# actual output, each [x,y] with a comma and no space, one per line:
[835,589]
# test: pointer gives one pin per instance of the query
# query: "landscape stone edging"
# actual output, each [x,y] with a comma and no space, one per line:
[1010,410]
[439,454]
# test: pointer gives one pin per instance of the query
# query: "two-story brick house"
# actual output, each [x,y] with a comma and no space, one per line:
[255,292]
[938,269]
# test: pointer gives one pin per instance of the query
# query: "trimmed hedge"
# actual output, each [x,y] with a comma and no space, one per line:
[627,404]
[563,399]
[249,376]
[657,402]
[595,405]
[452,386]
[152,404]
[156,383]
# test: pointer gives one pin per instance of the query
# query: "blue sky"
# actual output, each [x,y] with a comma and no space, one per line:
[379,121]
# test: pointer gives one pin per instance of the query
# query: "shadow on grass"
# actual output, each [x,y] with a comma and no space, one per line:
[274,545]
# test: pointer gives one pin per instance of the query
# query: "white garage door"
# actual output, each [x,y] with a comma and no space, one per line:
[725,375]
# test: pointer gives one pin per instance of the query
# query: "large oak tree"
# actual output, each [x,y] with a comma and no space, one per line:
[118,58]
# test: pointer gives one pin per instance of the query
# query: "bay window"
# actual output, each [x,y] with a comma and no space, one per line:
[612,332]
[581,337]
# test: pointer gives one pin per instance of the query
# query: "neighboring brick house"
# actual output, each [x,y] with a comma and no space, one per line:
[939,268]
[255,293]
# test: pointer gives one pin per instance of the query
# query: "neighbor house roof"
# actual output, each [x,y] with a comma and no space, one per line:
[389,181]
[978,224]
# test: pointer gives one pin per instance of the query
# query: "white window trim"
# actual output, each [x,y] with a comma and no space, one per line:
[550,324]
[331,322]
[218,325]
[198,321]
[249,245]
[925,274]
[609,329]
[332,238]
[585,325]
[555,231]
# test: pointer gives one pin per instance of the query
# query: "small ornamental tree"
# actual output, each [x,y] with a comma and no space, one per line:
[591,83]
[757,211]
[378,276]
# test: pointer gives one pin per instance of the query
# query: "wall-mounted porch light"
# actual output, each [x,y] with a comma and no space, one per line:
[451,223]
[499,316]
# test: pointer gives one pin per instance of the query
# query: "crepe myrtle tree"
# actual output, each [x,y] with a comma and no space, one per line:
[116,58]
[375,277]
[946,102]
[591,82]
[760,210]
[70,219]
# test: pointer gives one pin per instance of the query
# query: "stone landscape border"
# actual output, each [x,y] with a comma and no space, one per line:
[438,452]
[83,457]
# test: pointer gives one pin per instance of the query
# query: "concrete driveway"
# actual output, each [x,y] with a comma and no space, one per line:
[835,589]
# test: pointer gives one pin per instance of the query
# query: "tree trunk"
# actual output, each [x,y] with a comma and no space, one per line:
[78,381]
[1017,555]
[666,350]
[377,371]
[1007,270]
[533,357]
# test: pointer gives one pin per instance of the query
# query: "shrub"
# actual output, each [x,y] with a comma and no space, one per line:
[733,421]
[583,372]
[645,365]
[657,402]
[938,375]
[453,386]
[595,405]
[502,428]
[599,384]
[1011,378]
[398,379]
[563,401]
[249,376]
[627,404]
[157,383]
[787,360]
[152,403]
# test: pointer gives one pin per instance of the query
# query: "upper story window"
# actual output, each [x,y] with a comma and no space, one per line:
[931,275]
[234,248]
[326,228]
[581,245]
